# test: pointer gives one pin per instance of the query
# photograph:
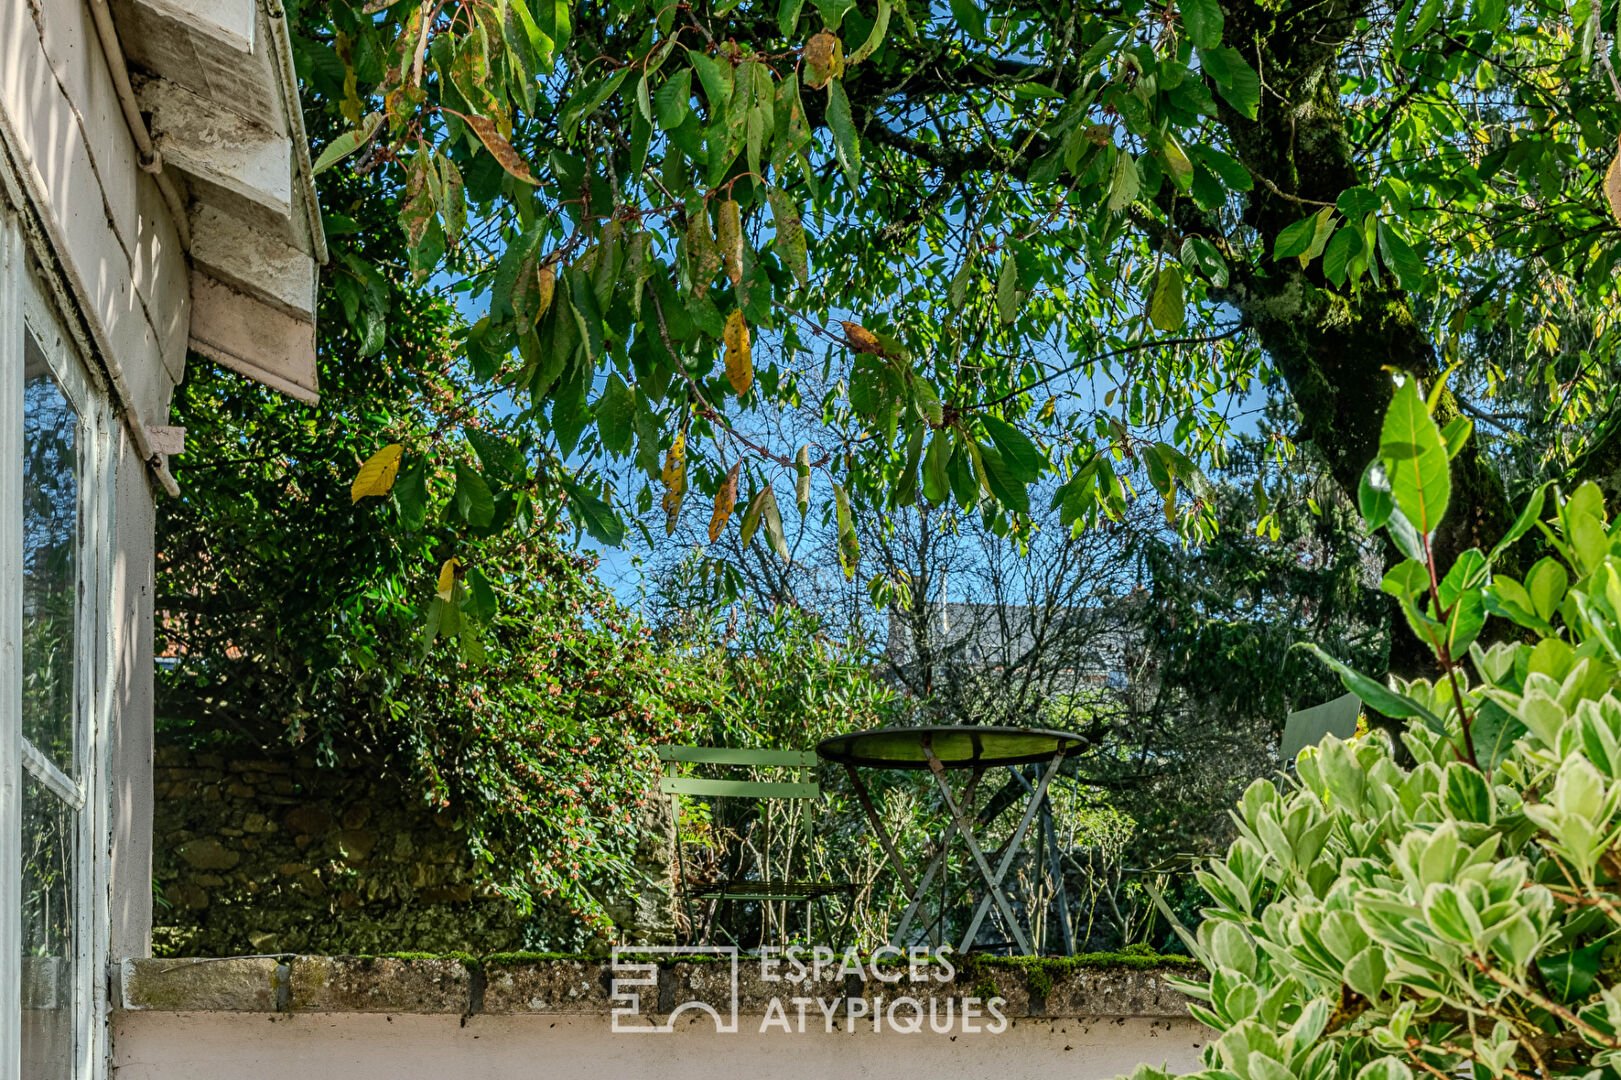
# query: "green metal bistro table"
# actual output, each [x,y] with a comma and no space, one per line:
[946,749]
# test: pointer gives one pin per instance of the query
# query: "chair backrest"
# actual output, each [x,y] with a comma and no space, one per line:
[744,789]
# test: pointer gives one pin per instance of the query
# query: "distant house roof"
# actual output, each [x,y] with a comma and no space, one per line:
[998,635]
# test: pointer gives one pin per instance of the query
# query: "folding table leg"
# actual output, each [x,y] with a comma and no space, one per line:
[913,895]
[1008,855]
[916,898]
[878,829]
[966,828]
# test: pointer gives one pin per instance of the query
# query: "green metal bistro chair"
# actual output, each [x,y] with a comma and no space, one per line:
[736,887]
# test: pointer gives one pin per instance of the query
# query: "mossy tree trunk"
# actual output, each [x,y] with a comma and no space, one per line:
[1335,347]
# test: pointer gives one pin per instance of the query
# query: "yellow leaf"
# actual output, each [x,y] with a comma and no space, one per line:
[499,148]
[376,476]
[861,339]
[751,519]
[849,546]
[546,283]
[725,500]
[739,360]
[824,59]
[447,578]
[675,481]
[675,464]
[729,236]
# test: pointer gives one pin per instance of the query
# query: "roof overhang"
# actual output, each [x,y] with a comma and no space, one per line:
[215,79]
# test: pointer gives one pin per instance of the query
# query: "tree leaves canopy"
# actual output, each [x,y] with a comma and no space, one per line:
[1016,205]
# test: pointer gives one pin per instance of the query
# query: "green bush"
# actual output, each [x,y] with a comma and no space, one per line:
[1378,921]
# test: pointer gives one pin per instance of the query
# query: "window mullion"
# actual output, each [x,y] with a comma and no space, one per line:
[59,783]
[11,467]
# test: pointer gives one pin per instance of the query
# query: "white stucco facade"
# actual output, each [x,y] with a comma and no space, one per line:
[154,203]
[217,1046]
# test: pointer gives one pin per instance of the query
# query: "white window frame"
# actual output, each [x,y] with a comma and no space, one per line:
[27,309]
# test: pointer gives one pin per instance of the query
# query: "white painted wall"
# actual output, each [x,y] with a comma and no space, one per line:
[361,1046]
[106,222]
[102,238]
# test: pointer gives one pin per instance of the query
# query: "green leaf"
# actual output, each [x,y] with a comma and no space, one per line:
[1399,255]
[1468,572]
[541,47]
[1345,245]
[673,101]
[473,500]
[498,456]
[1123,181]
[1024,461]
[849,545]
[1177,164]
[716,80]
[1494,732]
[411,493]
[1407,578]
[1358,202]
[588,99]
[616,416]
[1376,694]
[1529,514]
[1166,310]
[751,517]
[905,490]
[788,16]
[927,402]
[1509,599]
[773,524]
[596,516]
[1007,488]
[1546,583]
[790,241]
[1373,497]
[1319,240]
[1159,474]
[1464,623]
[1573,975]
[875,38]
[1007,289]
[347,143]
[846,144]
[1235,80]
[1203,20]
[1201,255]
[1415,459]
[969,16]
[1296,239]
[960,469]
[834,11]
[1233,174]
[936,481]
[481,594]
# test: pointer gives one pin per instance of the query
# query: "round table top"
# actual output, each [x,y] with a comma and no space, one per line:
[957,747]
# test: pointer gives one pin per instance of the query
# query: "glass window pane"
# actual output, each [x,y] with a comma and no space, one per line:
[50,557]
[48,891]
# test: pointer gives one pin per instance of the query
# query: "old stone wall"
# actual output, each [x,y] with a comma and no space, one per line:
[267,853]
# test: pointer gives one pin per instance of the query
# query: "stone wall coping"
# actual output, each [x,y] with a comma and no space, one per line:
[467,987]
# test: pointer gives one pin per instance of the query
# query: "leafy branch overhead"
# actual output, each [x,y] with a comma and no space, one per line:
[981,249]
